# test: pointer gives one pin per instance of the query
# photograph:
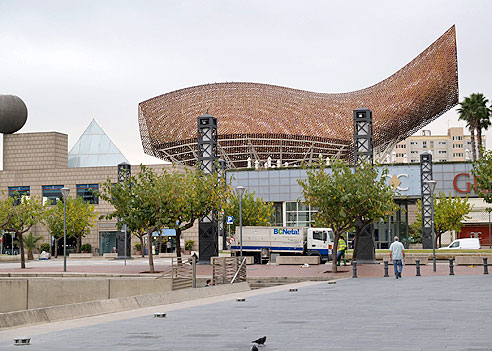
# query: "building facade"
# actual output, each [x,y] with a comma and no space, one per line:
[455,146]
[281,187]
[37,165]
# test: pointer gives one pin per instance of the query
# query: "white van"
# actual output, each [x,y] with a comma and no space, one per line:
[468,243]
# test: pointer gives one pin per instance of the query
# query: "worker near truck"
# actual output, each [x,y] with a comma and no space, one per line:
[342,247]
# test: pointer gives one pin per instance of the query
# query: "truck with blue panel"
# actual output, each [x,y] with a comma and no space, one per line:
[262,242]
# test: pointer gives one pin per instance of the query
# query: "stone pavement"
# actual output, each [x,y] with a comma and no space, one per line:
[413,313]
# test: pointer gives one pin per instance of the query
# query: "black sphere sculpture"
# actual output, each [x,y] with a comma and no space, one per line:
[13,114]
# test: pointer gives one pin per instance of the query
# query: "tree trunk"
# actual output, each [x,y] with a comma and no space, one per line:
[78,244]
[149,250]
[56,247]
[479,138]
[472,133]
[30,256]
[21,244]
[178,242]
[142,246]
[335,252]
[160,242]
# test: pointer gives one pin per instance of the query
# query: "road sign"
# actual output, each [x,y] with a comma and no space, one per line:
[230,220]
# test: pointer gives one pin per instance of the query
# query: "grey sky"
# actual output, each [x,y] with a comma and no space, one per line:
[72,61]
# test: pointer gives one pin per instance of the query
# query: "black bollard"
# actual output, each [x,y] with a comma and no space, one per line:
[386,269]
[354,268]
[451,267]
[485,266]
[417,267]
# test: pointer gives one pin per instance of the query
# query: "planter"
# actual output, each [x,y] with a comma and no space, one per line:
[187,252]
[138,253]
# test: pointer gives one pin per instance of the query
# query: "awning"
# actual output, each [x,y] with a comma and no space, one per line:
[165,232]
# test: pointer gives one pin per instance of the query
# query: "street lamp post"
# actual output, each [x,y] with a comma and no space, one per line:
[432,187]
[65,191]
[489,209]
[240,191]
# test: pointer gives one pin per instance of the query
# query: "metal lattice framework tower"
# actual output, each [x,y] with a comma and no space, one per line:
[363,134]
[207,161]
[426,199]
[258,121]
[363,151]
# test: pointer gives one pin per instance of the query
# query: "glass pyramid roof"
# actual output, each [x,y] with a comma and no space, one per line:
[94,149]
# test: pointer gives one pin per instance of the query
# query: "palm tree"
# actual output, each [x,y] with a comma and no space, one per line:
[30,242]
[483,117]
[467,114]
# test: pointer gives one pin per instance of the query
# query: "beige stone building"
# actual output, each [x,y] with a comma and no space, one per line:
[455,146]
[37,164]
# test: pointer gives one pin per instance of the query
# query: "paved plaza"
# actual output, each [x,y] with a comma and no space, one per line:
[413,313]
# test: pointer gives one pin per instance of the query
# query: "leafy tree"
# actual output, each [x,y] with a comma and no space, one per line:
[344,197]
[140,204]
[19,217]
[191,196]
[482,171]
[255,212]
[80,219]
[449,214]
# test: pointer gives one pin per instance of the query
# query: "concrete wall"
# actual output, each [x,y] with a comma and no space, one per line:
[30,293]
[92,308]
[13,294]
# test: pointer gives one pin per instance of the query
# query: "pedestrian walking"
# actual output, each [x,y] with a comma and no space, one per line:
[397,254]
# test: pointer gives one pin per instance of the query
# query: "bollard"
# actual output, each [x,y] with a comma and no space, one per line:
[386,269]
[485,266]
[354,268]
[417,267]
[451,267]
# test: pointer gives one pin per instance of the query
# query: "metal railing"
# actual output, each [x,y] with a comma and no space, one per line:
[182,271]
[228,270]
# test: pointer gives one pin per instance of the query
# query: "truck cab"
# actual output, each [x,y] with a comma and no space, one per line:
[320,242]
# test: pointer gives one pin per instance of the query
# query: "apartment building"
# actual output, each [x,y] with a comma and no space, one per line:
[455,146]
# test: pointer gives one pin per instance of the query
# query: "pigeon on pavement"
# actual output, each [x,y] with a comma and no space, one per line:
[260,341]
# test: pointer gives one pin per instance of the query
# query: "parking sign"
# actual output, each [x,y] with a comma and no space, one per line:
[230,220]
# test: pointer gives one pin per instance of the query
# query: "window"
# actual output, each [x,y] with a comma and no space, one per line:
[17,192]
[413,143]
[299,214]
[457,146]
[52,193]
[401,146]
[458,137]
[424,144]
[414,152]
[319,235]
[458,154]
[400,155]
[277,218]
[443,143]
[88,192]
[442,151]
[455,244]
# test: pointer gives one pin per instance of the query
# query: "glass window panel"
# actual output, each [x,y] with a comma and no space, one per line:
[291,206]
[303,216]
[303,207]
[52,193]
[87,192]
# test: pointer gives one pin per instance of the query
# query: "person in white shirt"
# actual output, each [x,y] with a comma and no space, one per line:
[397,254]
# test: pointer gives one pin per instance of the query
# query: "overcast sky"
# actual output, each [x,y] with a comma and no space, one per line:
[71,61]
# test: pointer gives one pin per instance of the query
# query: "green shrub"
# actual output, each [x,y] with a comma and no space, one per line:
[189,244]
[86,248]
[138,247]
[45,247]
